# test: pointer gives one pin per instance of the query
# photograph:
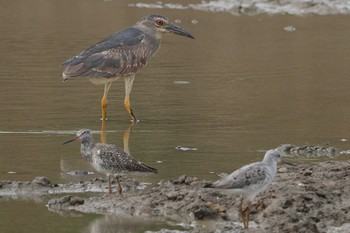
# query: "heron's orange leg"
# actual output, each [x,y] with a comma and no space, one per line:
[104,101]
[128,85]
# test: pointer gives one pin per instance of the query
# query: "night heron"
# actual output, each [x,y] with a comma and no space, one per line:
[122,54]
[250,180]
[107,158]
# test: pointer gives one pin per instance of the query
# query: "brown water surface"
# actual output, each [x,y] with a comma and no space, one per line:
[243,86]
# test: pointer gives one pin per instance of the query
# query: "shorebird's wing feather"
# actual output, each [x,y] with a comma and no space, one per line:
[248,175]
[117,159]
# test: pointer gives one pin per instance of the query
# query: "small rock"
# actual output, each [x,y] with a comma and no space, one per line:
[307,197]
[190,180]
[289,28]
[65,201]
[218,208]
[202,211]
[194,21]
[180,180]
[76,201]
[283,170]
[183,148]
[288,203]
[174,196]
[294,217]
[42,180]
[308,173]
[336,192]
[321,194]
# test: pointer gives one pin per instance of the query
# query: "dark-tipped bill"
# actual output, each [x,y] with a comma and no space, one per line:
[71,140]
[174,29]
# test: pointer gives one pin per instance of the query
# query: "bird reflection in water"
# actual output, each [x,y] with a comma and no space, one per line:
[124,224]
[108,158]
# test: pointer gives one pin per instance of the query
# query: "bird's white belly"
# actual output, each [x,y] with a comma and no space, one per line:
[101,81]
[97,165]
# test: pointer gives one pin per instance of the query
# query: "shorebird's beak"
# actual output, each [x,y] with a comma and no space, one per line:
[288,163]
[71,140]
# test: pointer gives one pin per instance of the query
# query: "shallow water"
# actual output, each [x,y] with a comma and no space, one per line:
[243,86]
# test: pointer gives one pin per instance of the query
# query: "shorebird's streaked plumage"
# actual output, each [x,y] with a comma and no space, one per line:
[108,158]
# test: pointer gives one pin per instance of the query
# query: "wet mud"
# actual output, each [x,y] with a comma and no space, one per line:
[303,198]
[255,7]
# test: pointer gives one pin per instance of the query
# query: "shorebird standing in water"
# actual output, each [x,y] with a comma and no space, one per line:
[108,158]
[250,180]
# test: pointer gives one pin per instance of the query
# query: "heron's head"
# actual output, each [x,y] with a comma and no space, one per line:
[83,135]
[160,24]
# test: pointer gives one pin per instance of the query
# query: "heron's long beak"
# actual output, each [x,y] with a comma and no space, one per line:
[174,29]
[71,140]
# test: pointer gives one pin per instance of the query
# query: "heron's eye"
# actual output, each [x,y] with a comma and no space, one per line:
[159,22]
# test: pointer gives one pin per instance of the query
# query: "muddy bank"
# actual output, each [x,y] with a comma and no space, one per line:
[304,198]
[311,151]
[254,7]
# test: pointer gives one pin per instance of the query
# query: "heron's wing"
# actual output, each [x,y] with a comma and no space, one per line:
[122,53]
[248,175]
[127,37]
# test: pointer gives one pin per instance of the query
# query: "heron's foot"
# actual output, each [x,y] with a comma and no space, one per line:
[103,118]
[135,121]
[133,117]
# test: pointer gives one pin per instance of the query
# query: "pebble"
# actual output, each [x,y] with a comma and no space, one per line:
[183,148]
[194,21]
[289,28]
[42,180]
